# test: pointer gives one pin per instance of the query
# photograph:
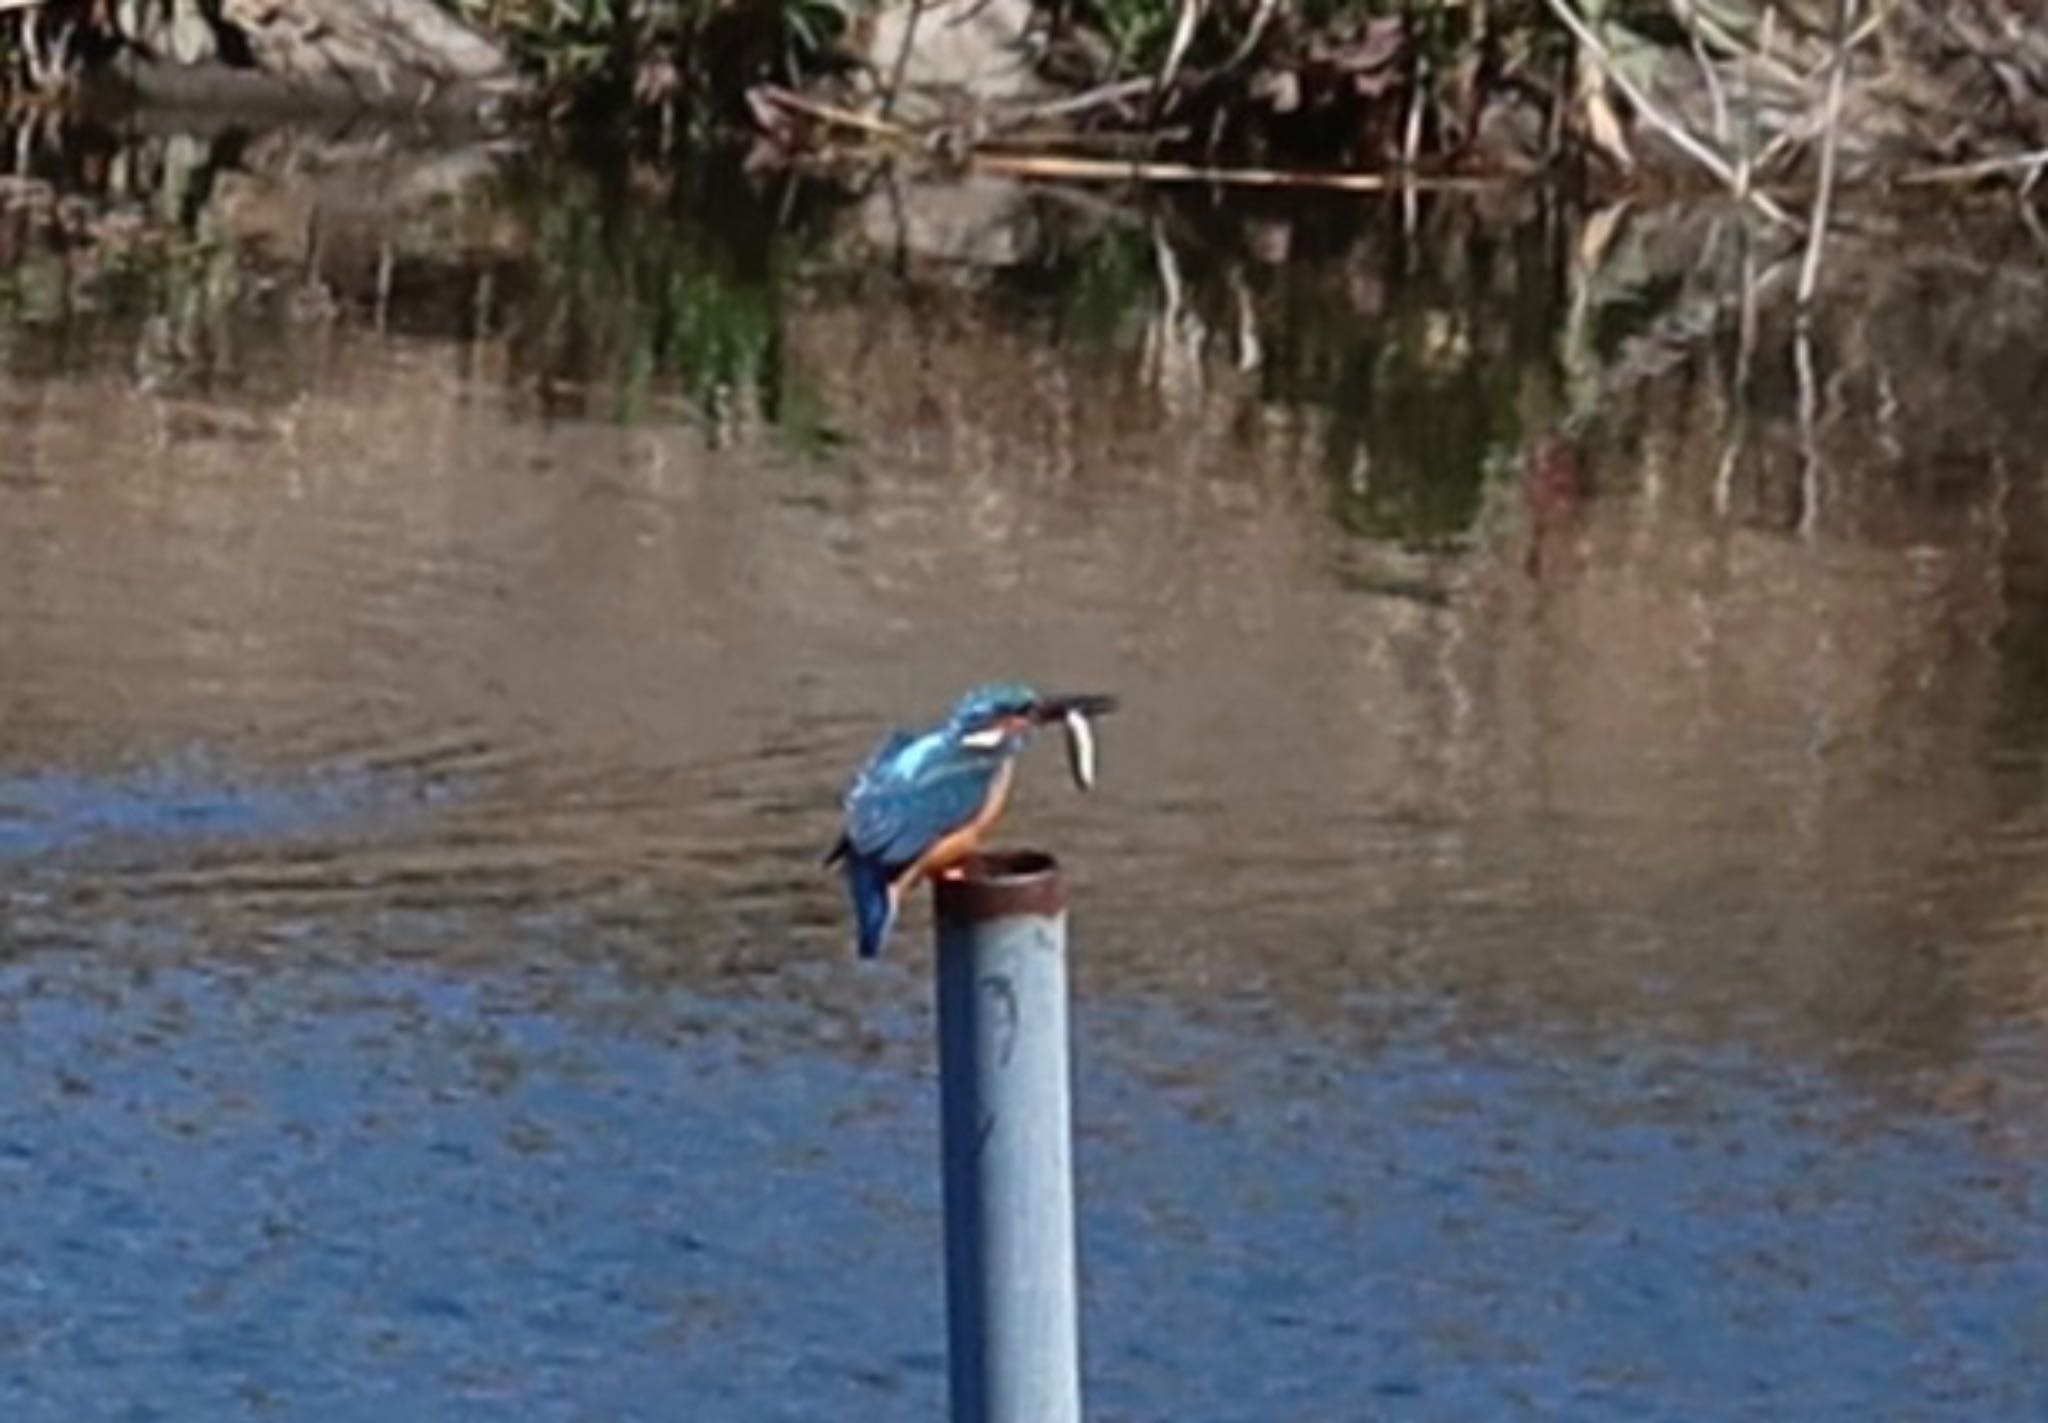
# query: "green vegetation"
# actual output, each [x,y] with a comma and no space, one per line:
[683,62]
[1728,92]
[1743,95]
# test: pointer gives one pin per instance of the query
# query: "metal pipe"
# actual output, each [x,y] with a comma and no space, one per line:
[1006,1133]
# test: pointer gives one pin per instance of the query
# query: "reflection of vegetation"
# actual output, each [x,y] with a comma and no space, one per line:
[1424,372]
[71,287]
[2023,690]
[606,298]
[1113,280]
[2021,640]
[629,295]
[1410,438]
[1416,349]
[1418,354]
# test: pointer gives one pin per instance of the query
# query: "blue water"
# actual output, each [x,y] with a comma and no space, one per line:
[337,1195]
[184,797]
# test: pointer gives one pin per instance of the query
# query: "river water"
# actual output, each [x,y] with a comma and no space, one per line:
[1559,934]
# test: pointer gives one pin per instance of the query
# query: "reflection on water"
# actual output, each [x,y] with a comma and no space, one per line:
[1559,931]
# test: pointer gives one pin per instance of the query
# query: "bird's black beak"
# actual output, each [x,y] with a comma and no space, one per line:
[1089,704]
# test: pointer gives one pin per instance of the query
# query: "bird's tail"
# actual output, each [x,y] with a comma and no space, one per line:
[874,907]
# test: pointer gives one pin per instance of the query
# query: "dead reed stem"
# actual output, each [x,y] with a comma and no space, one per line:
[1113,170]
[1831,127]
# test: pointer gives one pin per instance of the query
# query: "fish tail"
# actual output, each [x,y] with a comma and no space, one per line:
[874,902]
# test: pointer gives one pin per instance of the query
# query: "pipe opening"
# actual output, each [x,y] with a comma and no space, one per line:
[999,883]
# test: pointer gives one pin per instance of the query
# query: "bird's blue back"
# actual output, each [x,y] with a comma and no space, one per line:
[913,791]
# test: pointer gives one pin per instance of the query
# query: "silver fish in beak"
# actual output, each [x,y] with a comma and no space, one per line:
[1080,748]
[1075,711]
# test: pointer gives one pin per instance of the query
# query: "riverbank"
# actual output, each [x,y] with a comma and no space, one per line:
[1757,99]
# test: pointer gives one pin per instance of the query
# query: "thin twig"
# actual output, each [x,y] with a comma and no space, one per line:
[1261,17]
[1411,138]
[1098,98]
[1782,143]
[1831,129]
[1189,16]
[1760,54]
[1796,134]
[1745,102]
[1682,11]
[1671,128]
[2032,162]
[833,114]
[1855,40]
[1111,170]
[900,69]
[1028,140]
[1753,161]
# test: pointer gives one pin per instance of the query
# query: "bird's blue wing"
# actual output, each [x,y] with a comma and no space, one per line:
[909,796]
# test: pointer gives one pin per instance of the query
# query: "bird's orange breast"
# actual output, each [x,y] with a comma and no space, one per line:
[956,845]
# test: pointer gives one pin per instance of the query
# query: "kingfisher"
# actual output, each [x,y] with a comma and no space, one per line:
[920,804]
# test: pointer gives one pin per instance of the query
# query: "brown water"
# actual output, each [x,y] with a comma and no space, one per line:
[1552,767]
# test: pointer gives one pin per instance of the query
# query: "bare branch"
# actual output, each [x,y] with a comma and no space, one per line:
[1670,127]
[2030,163]
[1817,233]
[1110,170]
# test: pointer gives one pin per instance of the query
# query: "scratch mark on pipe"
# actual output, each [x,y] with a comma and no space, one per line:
[1004,993]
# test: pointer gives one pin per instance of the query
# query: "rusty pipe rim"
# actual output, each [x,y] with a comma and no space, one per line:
[1001,884]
